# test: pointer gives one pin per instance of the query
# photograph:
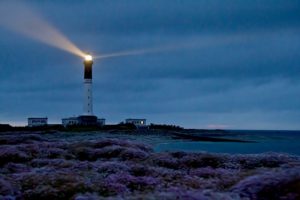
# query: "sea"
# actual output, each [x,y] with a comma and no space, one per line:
[260,142]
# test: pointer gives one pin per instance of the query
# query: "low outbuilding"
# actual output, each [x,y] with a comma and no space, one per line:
[71,121]
[136,122]
[37,121]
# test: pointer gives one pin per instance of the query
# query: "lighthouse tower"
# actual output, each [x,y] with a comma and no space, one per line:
[88,90]
[88,118]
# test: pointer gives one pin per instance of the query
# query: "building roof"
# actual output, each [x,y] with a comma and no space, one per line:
[135,119]
[37,117]
[70,118]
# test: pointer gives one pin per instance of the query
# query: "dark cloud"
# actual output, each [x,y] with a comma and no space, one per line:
[228,63]
[171,16]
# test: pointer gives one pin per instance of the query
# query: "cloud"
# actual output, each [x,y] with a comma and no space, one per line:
[171,16]
[232,63]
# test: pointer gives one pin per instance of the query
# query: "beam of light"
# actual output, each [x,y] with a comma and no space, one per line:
[193,43]
[18,17]
[145,51]
[128,53]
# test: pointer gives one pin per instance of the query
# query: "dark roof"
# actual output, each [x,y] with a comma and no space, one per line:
[135,119]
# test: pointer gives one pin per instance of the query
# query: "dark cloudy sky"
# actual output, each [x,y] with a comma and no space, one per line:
[235,63]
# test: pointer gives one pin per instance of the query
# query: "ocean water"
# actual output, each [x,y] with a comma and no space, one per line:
[263,141]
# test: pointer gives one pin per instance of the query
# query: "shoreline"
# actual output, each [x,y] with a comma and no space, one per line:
[194,135]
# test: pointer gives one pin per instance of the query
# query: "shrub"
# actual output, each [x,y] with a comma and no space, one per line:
[282,184]
[5,188]
[12,154]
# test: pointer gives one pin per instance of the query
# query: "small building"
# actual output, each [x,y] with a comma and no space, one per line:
[136,122]
[83,120]
[101,121]
[37,121]
[87,120]
[71,121]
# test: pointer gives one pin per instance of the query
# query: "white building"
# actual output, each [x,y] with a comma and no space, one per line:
[136,122]
[71,121]
[37,121]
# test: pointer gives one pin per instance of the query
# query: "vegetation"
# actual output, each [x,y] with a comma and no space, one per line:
[33,167]
[82,128]
[165,127]
[55,127]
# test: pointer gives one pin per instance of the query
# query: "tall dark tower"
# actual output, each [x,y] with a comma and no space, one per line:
[88,90]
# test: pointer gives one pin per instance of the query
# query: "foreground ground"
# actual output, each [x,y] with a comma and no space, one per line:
[35,167]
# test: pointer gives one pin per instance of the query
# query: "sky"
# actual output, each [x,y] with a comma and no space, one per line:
[231,64]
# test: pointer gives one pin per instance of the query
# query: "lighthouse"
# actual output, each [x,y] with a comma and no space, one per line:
[87,118]
[88,83]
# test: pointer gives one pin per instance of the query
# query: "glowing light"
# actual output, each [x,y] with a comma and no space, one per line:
[88,57]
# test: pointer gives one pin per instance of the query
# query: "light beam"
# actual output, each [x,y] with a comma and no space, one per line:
[136,52]
[18,17]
